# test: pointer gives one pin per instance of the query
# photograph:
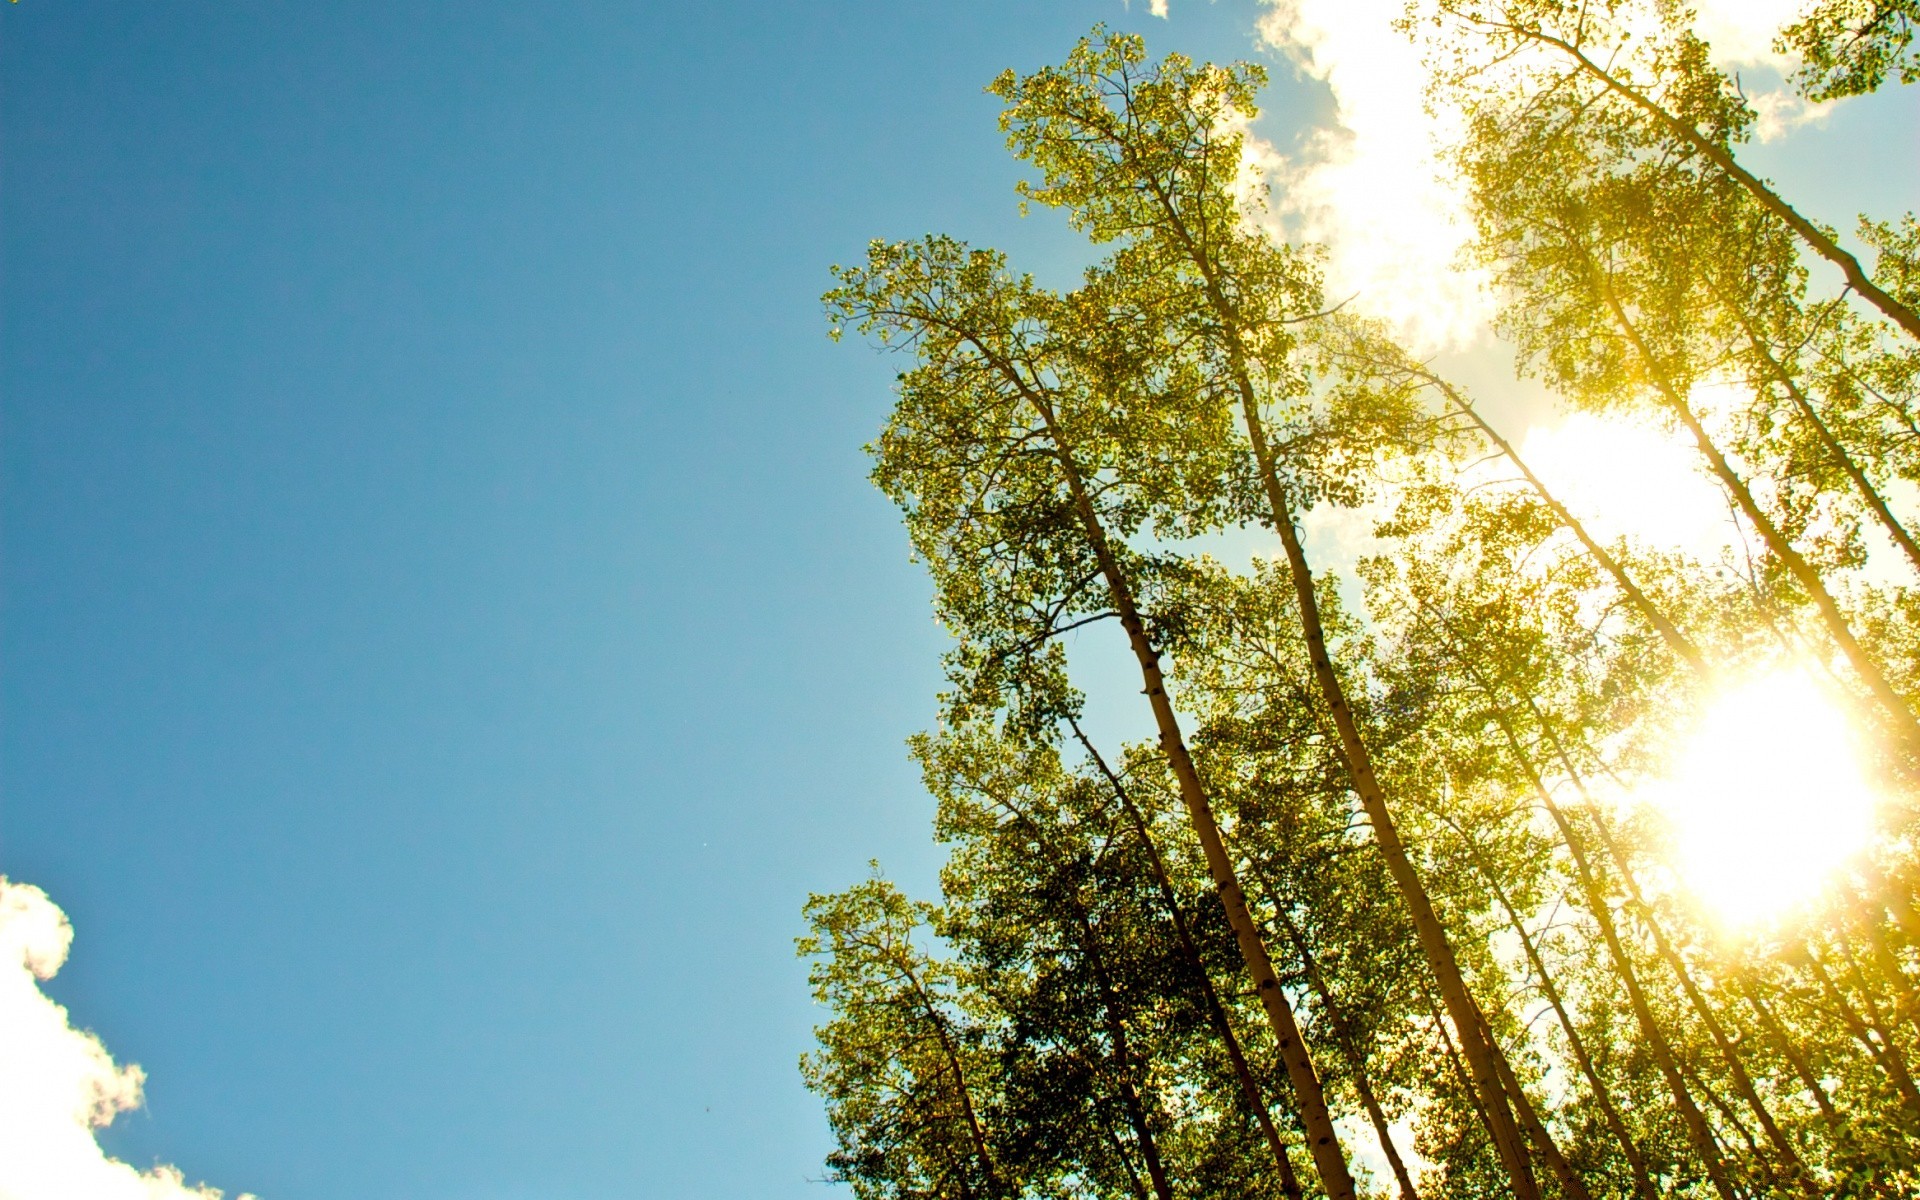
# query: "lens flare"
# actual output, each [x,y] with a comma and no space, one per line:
[1767,800]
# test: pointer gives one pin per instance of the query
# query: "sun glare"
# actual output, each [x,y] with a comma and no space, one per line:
[1624,477]
[1767,799]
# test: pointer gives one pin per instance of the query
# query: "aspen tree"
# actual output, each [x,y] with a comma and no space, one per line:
[1003,454]
[1654,74]
[1146,156]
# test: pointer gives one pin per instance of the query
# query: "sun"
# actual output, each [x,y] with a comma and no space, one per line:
[1767,800]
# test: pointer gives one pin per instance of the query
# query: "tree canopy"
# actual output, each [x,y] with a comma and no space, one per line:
[1382,906]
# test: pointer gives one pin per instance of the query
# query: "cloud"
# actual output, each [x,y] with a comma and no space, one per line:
[1741,32]
[1626,478]
[1371,189]
[58,1084]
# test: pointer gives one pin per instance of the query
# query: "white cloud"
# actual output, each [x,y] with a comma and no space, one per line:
[1371,189]
[1622,477]
[58,1084]
[1741,32]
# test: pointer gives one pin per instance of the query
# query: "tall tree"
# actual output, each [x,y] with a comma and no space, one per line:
[1146,155]
[1004,454]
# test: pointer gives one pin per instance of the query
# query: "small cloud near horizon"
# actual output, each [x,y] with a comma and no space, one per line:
[58,1085]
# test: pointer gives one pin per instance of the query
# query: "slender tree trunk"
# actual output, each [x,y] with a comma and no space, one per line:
[1122,1056]
[1878,1021]
[1736,1069]
[1216,1011]
[1699,1133]
[1126,1161]
[1802,571]
[952,1054]
[1844,460]
[1322,1136]
[1432,935]
[1807,231]
[1784,1042]
[1729,1054]
[1888,1058]
[1359,764]
[1460,1076]
[1730,1117]
[1122,1053]
[1343,1032]
[1571,1184]
[1862,924]
[1643,1182]
[1130,1097]
[1678,642]
[1883,957]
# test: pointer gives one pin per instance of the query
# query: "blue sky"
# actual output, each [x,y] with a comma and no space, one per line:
[445,627]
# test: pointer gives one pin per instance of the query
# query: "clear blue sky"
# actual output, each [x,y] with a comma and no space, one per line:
[446,629]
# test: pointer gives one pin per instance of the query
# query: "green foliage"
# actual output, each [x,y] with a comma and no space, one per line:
[1415,782]
[1849,47]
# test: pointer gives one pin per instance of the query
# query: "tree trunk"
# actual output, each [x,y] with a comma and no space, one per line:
[1807,231]
[1216,1011]
[1868,493]
[1699,1133]
[1571,1184]
[1783,1041]
[1838,629]
[952,1054]
[1130,1097]
[1894,1067]
[1359,764]
[1676,641]
[1122,1054]
[1343,1032]
[1643,1182]
[1742,1082]
[1460,1076]
[1322,1136]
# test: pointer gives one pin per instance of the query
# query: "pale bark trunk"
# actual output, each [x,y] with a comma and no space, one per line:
[1355,1061]
[1122,1059]
[1643,1182]
[1460,1076]
[1742,1081]
[1802,571]
[1130,1098]
[1894,1067]
[1359,764]
[1783,1041]
[1216,1011]
[1831,443]
[1122,1054]
[1728,1115]
[1807,231]
[1427,926]
[1323,1138]
[1676,641]
[1699,1133]
[1895,1058]
[1571,1184]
